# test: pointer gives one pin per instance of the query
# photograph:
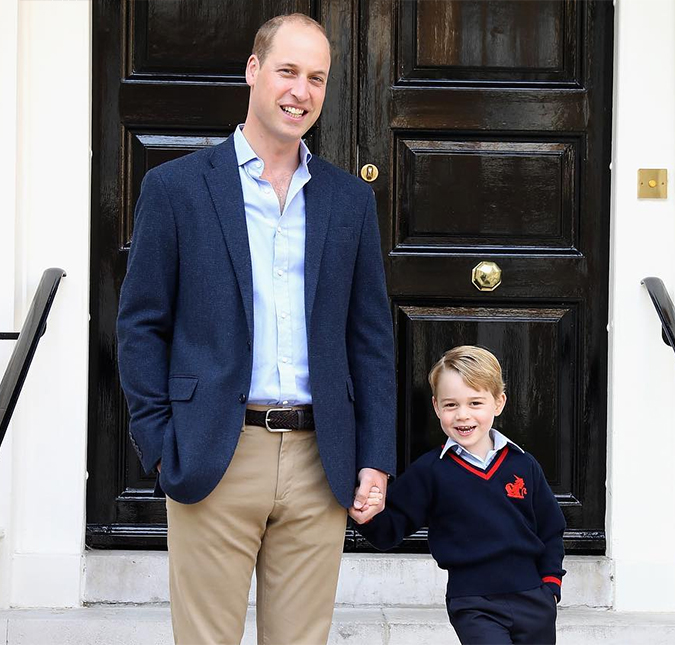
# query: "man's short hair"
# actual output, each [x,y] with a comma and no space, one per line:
[478,367]
[265,35]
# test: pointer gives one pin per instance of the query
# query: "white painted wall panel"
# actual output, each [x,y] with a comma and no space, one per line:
[642,369]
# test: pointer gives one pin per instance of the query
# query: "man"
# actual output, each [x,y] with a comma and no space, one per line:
[255,302]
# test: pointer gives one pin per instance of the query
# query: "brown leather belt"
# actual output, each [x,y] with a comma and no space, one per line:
[281,419]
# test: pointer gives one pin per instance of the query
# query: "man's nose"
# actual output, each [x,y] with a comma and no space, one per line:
[300,89]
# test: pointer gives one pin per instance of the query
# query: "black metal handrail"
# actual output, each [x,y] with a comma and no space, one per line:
[28,338]
[664,308]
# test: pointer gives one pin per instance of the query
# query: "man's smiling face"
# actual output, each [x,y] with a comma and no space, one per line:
[289,87]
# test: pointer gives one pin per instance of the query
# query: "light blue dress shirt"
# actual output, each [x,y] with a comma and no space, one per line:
[498,442]
[277,244]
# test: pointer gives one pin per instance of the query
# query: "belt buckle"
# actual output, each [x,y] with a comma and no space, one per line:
[267,420]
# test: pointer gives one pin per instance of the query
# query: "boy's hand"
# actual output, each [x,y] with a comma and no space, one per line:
[369,478]
[374,499]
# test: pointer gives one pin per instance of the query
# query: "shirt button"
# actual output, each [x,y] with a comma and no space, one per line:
[242,398]
[280,272]
[283,315]
[266,191]
[284,360]
[279,229]
[258,164]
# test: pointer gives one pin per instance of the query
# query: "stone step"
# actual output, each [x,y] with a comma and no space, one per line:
[150,625]
[366,580]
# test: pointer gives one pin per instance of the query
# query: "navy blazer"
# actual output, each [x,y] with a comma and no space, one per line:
[185,326]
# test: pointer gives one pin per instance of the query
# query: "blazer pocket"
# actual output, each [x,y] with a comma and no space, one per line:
[350,388]
[181,388]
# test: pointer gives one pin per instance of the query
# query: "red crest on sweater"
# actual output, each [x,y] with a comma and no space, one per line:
[517,489]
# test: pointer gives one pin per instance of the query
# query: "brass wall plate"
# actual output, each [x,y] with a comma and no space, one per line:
[652,183]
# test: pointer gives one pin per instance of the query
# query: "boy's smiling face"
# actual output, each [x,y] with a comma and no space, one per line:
[466,415]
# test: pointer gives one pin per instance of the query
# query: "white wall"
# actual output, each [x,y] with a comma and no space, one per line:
[8,77]
[49,65]
[641,487]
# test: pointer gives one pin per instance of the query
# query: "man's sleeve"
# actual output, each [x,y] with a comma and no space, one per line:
[407,509]
[370,349]
[550,529]
[145,320]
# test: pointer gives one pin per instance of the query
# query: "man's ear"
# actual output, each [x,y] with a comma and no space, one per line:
[252,68]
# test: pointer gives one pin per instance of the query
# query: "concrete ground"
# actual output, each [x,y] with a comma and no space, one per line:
[381,600]
[150,625]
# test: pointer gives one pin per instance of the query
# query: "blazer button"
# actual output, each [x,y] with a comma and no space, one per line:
[242,398]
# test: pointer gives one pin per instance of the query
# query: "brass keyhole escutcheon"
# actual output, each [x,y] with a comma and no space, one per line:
[486,276]
[369,172]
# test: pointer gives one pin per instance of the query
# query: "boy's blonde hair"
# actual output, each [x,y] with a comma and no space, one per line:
[265,35]
[478,367]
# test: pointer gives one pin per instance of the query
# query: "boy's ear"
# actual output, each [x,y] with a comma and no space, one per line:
[501,402]
[435,404]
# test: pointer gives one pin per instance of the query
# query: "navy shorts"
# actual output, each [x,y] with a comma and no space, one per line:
[521,617]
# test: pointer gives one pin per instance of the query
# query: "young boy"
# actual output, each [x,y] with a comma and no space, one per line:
[493,521]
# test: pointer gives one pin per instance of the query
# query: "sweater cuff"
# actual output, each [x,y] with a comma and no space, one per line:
[554,584]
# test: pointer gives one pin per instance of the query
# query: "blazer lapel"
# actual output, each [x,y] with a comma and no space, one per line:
[225,188]
[318,193]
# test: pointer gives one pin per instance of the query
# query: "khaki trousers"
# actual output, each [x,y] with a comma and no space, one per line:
[273,510]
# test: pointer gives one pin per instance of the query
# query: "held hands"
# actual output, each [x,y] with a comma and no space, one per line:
[374,499]
[370,495]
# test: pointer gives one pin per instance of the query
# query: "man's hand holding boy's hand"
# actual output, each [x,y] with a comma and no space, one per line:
[370,495]
[375,499]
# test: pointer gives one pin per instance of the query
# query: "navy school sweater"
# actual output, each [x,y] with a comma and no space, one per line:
[495,531]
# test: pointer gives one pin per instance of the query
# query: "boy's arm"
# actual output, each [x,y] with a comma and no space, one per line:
[407,505]
[550,528]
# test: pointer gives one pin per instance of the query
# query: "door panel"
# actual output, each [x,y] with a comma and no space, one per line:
[488,194]
[534,416]
[168,80]
[196,39]
[481,40]
[492,142]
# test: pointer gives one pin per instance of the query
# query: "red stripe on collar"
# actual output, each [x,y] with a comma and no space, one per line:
[493,469]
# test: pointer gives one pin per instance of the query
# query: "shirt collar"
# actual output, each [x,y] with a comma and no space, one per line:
[245,153]
[498,441]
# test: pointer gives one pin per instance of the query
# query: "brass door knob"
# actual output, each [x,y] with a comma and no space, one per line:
[369,172]
[486,276]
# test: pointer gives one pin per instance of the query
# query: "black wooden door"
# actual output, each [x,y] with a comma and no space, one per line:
[489,123]
[168,79]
